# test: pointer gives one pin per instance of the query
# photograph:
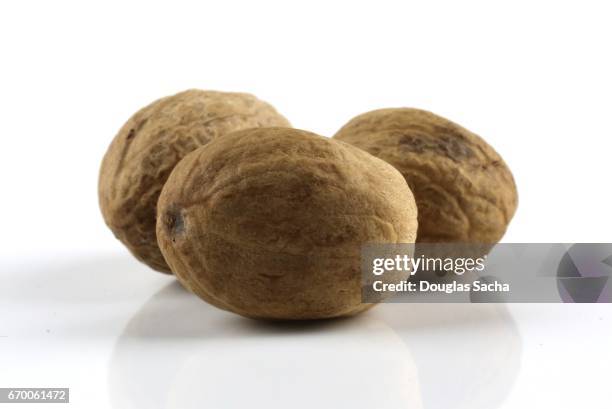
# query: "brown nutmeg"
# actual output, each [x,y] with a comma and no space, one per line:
[151,143]
[269,223]
[463,189]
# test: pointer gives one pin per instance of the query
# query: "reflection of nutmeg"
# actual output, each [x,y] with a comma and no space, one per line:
[150,144]
[269,222]
[463,189]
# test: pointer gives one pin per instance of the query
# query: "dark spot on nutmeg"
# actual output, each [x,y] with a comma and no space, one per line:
[131,134]
[413,143]
[455,147]
[174,222]
[446,142]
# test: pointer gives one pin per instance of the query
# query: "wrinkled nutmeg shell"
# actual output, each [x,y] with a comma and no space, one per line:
[464,191]
[269,223]
[151,143]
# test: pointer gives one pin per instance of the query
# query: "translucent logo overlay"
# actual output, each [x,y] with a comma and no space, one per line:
[503,272]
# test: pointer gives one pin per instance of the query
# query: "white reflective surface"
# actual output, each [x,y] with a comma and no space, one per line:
[121,336]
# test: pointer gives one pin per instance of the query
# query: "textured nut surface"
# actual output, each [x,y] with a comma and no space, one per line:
[463,189]
[151,143]
[269,223]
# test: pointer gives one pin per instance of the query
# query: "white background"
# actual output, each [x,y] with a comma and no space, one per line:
[533,78]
